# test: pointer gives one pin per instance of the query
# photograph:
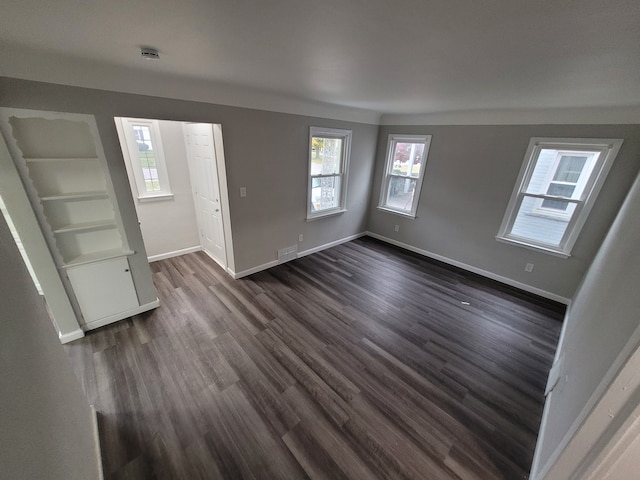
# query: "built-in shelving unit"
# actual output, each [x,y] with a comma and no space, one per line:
[65,174]
[69,180]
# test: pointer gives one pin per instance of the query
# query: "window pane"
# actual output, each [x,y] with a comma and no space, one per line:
[147,158]
[569,169]
[407,159]
[326,155]
[325,193]
[530,224]
[400,194]
[558,190]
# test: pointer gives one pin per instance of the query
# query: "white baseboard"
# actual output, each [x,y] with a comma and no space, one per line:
[273,263]
[175,253]
[96,443]
[71,336]
[251,271]
[470,268]
[330,244]
[119,316]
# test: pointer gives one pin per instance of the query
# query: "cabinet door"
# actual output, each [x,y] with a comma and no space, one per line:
[103,289]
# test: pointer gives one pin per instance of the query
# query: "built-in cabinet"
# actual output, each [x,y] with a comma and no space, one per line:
[63,168]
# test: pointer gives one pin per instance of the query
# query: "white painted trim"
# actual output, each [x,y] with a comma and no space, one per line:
[548,116]
[392,141]
[96,442]
[265,266]
[608,150]
[70,336]
[175,253]
[252,270]
[133,157]
[319,248]
[470,268]
[346,137]
[580,425]
[620,442]
[223,191]
[210,255]
[120,316]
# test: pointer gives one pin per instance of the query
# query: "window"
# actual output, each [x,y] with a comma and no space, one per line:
[144,146]
[404,173]
[329,150]
[556,188]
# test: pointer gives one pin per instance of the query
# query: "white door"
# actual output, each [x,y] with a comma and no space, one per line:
[204,175]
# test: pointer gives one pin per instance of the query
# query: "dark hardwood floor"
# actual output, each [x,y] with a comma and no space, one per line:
[359,362]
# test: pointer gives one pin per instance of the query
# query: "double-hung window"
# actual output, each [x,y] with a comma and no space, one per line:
[329,150]
[404,173]
[146,154]
[555,191]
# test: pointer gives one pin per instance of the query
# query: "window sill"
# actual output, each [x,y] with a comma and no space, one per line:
[156,198]
[396,212]
[531,246]
[325,214]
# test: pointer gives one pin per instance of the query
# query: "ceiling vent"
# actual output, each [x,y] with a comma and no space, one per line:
[150,53]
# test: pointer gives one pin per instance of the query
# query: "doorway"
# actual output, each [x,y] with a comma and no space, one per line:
[178,179]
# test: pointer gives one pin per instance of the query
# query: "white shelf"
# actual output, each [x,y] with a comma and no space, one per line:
[87,226]
[96,257]
[59,159]
[76,196]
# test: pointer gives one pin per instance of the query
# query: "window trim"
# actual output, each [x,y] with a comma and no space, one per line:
[608,149]
[346,136]
[392,140]
[165,192]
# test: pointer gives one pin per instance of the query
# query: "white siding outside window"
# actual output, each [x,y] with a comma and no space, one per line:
[556,189]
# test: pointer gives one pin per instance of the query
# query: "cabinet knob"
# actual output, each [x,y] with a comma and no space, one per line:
[126,269]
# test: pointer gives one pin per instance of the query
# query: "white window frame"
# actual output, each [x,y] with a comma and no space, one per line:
[607,149]
[345,136]
[392,141]
[134,159]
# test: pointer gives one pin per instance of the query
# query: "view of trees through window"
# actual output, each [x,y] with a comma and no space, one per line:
[407,162]
[326,158]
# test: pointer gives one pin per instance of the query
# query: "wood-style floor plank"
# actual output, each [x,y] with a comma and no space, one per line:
[359,362]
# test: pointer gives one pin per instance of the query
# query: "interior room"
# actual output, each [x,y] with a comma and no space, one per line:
[320,240]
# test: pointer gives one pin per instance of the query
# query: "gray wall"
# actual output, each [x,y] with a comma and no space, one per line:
[46,428]
[469,178]
[169,225]
[602,318]
[265,152]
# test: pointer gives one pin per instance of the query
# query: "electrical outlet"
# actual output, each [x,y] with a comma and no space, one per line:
[396,228]
[243,191]
[300,238]
[528,267]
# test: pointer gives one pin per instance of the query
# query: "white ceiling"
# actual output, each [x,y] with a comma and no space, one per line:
[391,57]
